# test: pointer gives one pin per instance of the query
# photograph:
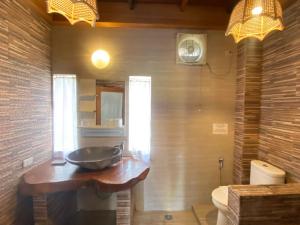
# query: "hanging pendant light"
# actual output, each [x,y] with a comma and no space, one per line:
[255,18]
[75,10]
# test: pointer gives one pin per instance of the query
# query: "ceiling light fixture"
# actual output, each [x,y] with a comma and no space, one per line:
[100,59]
[255,18]
[75,10]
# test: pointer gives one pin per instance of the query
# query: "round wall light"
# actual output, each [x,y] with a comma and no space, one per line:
[100,59]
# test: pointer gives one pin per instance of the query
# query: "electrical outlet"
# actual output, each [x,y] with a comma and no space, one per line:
[27,162]
[220,128]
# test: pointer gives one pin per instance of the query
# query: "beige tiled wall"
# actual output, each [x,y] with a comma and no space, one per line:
[186,100]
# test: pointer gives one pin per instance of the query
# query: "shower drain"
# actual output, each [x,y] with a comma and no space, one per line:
[168,217]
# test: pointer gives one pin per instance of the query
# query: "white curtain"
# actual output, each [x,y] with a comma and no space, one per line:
[140,116]
[65,113]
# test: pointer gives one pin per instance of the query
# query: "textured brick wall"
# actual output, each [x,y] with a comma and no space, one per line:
[264,204]
[267,112]
[280,98]
[249,65]
[25,102]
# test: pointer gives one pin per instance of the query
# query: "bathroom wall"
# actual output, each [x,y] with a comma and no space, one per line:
[186,100]
[268,99]
[279,141]
[247,115]
[25,102]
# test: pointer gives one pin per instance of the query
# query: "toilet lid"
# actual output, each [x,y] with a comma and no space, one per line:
[221,195]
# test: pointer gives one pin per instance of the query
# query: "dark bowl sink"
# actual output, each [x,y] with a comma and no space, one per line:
[95,158]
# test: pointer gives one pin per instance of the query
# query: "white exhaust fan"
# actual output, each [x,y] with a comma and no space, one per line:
[191,49]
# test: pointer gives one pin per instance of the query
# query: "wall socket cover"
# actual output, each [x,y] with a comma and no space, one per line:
[27,162]
[220,128]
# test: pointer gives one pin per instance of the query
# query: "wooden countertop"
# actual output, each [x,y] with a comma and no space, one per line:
[47,178]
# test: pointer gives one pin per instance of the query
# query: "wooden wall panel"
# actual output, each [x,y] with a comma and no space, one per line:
[247,108]
[280,98]
[25,102]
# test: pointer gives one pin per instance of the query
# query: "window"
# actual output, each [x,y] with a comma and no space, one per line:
[64,113]
[140,116]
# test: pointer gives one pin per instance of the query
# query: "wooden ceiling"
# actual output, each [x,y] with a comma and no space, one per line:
[189,14]
[228,4]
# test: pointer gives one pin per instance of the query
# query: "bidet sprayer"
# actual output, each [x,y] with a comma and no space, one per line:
[221,163]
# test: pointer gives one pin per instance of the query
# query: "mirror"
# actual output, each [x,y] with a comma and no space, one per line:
[101,103]
[110,98]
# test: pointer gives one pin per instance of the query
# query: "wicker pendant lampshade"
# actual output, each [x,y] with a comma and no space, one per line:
[255,18]
[75,10]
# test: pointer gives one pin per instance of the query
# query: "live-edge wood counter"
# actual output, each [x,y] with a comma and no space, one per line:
[46,179]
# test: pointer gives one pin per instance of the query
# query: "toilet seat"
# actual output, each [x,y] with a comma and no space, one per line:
[220,198]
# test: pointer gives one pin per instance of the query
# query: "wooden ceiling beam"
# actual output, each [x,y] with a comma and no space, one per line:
[232,3]
[116,14]
[143,25]
[183,5]
[131,4]
[158,16]
[286,3]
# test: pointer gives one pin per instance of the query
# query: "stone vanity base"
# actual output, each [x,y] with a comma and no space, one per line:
[54,189]
[47,213]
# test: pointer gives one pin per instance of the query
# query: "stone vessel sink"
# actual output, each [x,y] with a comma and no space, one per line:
[95,158]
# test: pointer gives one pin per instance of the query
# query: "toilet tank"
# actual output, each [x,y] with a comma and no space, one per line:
[265,173]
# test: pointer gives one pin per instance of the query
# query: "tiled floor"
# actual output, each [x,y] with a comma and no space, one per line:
[158,218]
[206,215]
[200,215]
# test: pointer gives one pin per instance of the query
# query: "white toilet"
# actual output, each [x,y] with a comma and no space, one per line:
[261,173]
